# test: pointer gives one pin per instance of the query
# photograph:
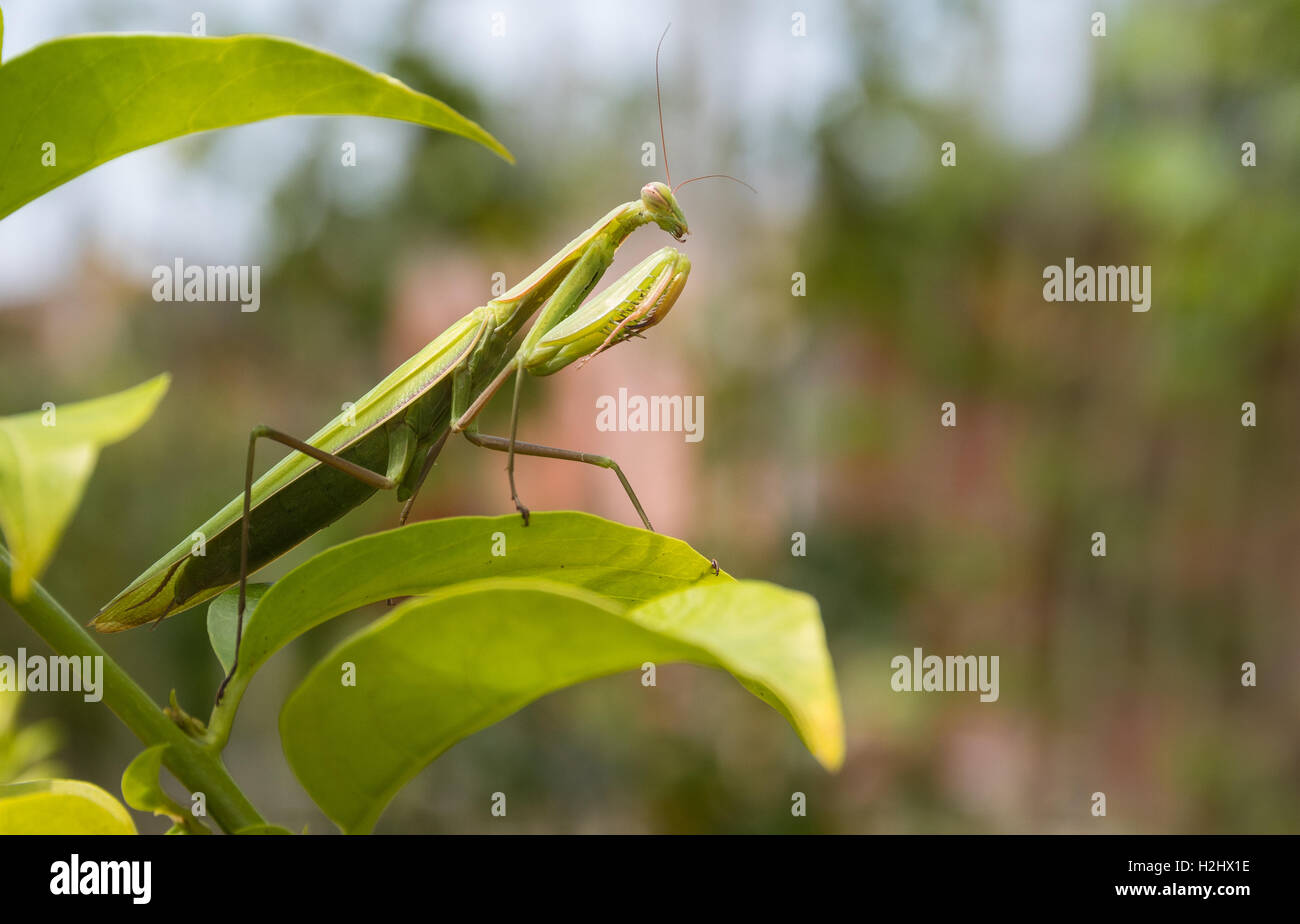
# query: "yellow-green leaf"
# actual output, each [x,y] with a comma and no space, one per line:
[141,787]
[46,458]
[61,807]
[772,640]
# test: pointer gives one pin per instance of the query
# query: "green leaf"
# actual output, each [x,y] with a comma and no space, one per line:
[142,790]
[441,668]
[46,458]
[223,620]
[141,787]
[96,97]
[61,807]
[625,564]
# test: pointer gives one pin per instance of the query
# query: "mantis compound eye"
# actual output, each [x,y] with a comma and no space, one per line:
[653,195]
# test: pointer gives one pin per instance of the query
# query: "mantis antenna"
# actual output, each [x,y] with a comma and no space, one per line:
[659,98]
[663,141]
[715,176]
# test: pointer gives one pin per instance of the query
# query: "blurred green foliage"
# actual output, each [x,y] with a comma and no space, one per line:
[26,749]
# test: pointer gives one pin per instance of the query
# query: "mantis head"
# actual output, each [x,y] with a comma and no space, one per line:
[662,208]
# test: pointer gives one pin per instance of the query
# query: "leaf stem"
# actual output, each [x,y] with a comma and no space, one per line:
[198,769]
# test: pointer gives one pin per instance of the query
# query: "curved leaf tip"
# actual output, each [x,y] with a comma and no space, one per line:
[771,639]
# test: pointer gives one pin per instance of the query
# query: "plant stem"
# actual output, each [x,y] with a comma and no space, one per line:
[198,769]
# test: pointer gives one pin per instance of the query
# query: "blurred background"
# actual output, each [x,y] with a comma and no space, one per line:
[924,285]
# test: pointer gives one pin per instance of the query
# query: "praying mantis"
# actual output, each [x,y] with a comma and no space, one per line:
[390,439]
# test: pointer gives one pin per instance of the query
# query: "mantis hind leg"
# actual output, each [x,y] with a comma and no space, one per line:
[510,445]
[359,472]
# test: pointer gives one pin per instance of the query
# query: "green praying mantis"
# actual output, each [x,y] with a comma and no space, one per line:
[390,439]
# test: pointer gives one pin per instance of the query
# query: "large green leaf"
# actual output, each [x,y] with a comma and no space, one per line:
[46,458]
[61,807]
[441,668]
[96,97]
[624,564]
